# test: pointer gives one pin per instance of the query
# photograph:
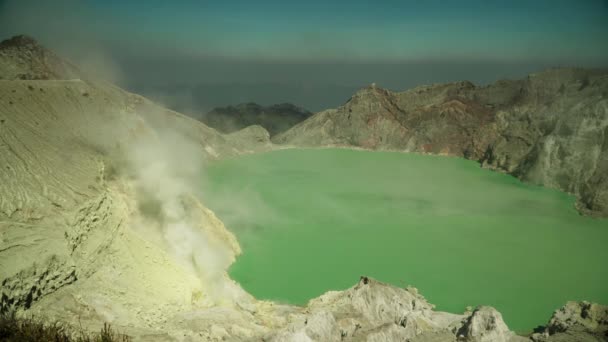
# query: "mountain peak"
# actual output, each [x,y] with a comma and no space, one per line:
[23,58]
[19,41]
[371,90]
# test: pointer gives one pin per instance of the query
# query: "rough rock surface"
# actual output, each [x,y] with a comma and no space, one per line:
[276,118]
[243,138]
[576,321]
[369,311]
[485,324]
[99,222]
[550,128]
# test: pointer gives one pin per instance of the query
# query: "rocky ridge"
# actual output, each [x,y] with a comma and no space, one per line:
[99,222]
[549,129]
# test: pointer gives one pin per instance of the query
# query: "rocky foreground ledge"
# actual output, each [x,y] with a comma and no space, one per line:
[369,311]
[374,311]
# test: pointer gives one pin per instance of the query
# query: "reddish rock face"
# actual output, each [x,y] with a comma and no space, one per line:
[539,129]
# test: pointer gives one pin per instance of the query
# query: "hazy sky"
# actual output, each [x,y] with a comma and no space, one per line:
[396,43]
[356,30]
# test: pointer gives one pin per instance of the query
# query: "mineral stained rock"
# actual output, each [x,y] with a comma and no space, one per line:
[549,129]
[100,221]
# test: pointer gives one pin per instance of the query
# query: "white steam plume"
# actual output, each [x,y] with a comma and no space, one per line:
[167,170]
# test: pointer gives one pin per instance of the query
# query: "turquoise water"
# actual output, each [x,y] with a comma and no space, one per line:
[310,221]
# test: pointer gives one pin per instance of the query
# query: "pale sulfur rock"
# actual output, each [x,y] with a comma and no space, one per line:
[485,324]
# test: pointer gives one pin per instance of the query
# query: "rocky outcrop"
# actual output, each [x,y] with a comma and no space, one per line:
[550,128]
[374,311]
[368,311]
[275,119]
[576,321]
[245,136]
[485,324]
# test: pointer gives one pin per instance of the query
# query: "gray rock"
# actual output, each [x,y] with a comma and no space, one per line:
[485,324]
[576,321]
[368,311]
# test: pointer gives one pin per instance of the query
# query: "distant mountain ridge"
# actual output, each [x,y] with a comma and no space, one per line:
[204,97]
[275,118]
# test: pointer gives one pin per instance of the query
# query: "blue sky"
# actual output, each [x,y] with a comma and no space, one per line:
[381,30]
[314,44]
[322,30]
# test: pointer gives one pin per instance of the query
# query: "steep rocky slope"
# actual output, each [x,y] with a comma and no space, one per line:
[276,118]
[549,129]
[100,222]
[97,213]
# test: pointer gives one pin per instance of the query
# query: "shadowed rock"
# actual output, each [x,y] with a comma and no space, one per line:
[275,119]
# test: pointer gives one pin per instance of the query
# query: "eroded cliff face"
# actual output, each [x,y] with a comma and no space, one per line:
[549,129]
[100,222]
